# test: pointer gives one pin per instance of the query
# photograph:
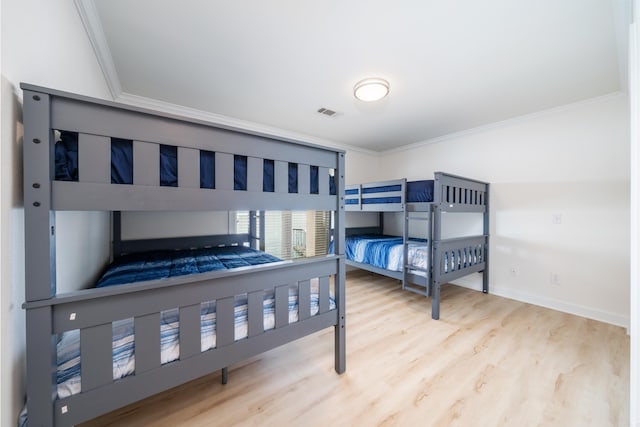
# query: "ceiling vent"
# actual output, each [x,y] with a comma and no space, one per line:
[327,112]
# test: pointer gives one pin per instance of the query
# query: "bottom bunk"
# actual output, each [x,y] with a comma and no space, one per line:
[68,375]
[129,339]
[428,266]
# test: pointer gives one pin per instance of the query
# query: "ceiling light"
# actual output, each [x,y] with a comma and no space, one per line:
[371,89]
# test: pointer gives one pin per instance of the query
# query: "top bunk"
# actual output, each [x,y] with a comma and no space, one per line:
[91,154]
[449,193]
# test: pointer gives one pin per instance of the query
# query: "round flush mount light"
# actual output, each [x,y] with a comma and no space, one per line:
[371,89]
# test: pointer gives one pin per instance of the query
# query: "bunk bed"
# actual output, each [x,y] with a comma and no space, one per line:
[140,332]
[423,264]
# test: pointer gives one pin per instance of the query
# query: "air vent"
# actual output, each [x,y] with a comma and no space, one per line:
[327,112]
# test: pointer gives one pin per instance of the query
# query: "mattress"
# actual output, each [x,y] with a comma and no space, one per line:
[66,166]
[156,265]
[386,251]
[69,381]
[416,191]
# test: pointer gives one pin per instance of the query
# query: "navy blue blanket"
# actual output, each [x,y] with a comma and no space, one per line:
[164,264]
[66,166]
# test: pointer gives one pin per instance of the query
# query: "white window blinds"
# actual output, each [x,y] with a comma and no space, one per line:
[291,234]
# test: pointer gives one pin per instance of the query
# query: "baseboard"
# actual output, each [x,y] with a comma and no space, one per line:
[554,304]
[474,281]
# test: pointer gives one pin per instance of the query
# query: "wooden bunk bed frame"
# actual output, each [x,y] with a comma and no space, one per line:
[92,311]
[450,259]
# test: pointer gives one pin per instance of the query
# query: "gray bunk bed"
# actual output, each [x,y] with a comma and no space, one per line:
[424,265]
[314,287]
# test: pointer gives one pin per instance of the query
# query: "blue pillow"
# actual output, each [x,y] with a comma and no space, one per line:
[207,169]
[121,161]
[66,157]
[168,166]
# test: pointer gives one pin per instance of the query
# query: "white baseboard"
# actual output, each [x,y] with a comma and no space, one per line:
[475,283]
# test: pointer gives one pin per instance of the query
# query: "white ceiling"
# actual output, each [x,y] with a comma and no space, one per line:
[452,65]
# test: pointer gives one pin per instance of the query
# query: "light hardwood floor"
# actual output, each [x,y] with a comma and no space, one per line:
[489,361]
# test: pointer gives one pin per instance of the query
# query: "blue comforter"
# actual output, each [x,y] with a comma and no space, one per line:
[370,249]
[164,264]
[386,251]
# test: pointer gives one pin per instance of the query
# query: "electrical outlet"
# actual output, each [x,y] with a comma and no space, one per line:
[554,279]
[513,271]
[556,218]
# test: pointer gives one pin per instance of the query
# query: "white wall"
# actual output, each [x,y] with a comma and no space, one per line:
[571,161]
[634,160]
[361,166]
[43,43]
[148,225]
[82,248]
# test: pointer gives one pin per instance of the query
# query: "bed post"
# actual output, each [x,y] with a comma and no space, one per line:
[435,277]
[225,375]
[40,245]
[405,236]
[340,279]
[485,272]
[117,234]
[253,230]
[436,236]
[263,231]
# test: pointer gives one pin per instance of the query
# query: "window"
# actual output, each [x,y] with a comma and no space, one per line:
[291,234]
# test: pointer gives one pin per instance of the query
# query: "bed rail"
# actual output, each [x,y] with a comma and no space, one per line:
[96,122]
[454,193]
[455,258]
[121,247]
[384,196]
[354,231]
[93,314]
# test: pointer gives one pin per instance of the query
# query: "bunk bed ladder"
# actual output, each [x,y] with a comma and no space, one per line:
[407,284]
[413,285]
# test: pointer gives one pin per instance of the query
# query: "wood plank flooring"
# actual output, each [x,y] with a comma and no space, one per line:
[489,361]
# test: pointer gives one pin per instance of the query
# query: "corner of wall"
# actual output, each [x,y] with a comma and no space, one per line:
[12,318]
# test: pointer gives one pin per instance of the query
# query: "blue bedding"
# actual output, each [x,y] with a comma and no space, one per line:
[385,251]
[66,166]
[416,191]
[420,191]
[164,264]
[123,346]
[370,249]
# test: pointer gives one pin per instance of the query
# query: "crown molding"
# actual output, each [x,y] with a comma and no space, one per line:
[506,123]
[93,27]
[622,18]
[231,122]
